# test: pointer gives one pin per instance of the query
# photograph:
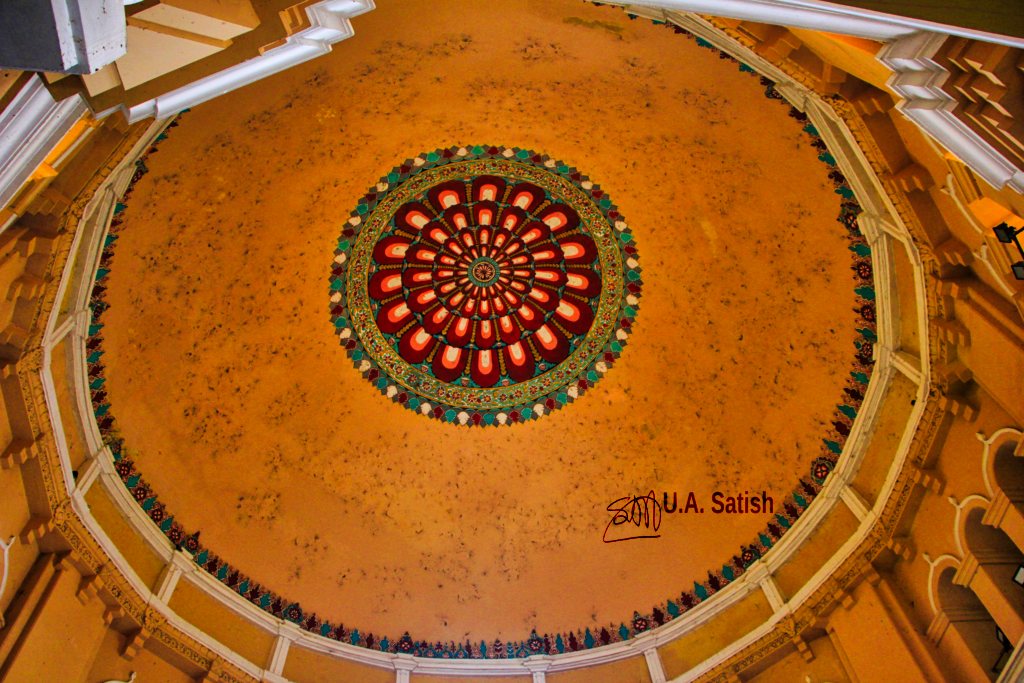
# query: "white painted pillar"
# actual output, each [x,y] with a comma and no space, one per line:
[278,654]
[773,594]
[65,36]
[654,666]
[404,665]
[858,506]
[169,580]
[538,666]
[908,364]
[329,22]
[6,548]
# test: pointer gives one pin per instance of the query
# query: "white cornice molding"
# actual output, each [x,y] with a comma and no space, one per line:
[857,171]
[823,16]
[910,45]
[750,581]
[30,126]
[329,22]
[918,80]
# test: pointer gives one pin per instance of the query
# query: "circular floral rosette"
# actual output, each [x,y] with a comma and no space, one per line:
[484,285]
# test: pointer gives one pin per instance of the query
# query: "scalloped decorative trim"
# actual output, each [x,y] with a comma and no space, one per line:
[585,638]
[593,352]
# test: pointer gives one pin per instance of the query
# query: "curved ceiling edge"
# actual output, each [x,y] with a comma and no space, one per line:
[880,231]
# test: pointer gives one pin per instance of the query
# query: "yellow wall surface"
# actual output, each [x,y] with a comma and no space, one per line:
[78,628]
[306,666]
[146,563]
[72,635]
[827,539]
[250,641]
[147,666]
[890,424]
[626,671]
[685,652]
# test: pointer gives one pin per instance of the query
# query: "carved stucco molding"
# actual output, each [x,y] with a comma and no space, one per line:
[28,368]
[87,554]
[329,23]
[30,126]
[931,414]
[824,16]
[933,304]
[810,614]
[918,80]
[823,598]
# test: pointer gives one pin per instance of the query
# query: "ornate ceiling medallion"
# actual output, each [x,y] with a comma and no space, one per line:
[484,285]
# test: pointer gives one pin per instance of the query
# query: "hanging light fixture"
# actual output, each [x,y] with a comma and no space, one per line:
[1008,235]
[1004,655]
[1018,576]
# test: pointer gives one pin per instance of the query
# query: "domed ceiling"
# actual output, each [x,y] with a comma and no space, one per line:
[265,360]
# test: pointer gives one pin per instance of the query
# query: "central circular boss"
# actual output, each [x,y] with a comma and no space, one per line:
[485,271]
[484,285]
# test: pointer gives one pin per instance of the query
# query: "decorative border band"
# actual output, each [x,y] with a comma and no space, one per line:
[586,638]
[562,384]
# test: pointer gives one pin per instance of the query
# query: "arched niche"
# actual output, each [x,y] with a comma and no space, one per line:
[1006,474]
[990,562]
[1008,470]
[968,632]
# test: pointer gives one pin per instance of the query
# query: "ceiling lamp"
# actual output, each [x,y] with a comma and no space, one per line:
[1008,235]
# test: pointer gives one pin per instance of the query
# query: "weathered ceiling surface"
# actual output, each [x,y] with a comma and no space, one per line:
[238,412]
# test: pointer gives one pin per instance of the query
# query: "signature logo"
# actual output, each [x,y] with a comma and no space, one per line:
[629,514]
[632,514]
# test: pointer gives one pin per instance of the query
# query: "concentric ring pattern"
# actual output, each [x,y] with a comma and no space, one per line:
[484,285]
